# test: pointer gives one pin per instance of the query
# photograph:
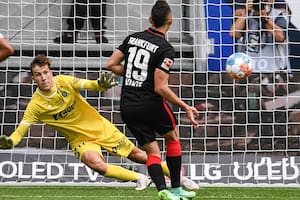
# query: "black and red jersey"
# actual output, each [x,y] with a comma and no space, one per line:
[144,52]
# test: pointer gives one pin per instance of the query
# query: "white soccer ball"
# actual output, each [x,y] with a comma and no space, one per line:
[239,66]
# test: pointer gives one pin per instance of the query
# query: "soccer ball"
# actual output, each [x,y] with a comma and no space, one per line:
[239,66]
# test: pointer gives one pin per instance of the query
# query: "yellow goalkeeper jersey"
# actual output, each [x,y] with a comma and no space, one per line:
[64,109]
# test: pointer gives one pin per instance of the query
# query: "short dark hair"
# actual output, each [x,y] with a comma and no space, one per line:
[160,13]
[40,60]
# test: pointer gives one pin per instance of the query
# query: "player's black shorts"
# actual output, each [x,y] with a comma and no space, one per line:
[145,121]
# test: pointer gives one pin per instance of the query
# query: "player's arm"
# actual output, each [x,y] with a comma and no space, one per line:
[277,27]
[8,142]
[31,116]
[5,48]
[239,23]
[274,29]
[161,87]
[114,63]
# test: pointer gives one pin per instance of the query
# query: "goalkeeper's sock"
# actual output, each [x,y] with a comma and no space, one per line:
[165,169]
[121,173]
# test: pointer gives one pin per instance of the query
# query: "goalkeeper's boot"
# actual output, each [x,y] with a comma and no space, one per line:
[188,183]
[168,195]
[143,182]
[183,193]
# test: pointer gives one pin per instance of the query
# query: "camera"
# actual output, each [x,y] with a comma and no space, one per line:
[260,5]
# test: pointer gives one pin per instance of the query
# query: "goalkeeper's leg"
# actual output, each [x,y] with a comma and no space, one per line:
[95,161]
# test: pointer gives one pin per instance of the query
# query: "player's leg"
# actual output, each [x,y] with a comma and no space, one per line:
[173,158]
[154,165]
[139,156]
[153,159]
[184,181]
[75,21]
[97,17]
[146,138]
[156,172]
[118,144]
[80,15]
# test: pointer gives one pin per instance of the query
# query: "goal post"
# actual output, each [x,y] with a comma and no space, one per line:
[249,132]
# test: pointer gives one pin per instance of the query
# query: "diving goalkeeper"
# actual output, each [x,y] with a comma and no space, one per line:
[58,103]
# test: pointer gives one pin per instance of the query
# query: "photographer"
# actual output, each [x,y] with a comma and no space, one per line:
[260,31]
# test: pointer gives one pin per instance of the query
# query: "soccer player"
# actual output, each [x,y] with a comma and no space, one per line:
[148,57]
[5,48]
[58,103]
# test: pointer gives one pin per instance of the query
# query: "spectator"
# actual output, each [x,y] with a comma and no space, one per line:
[79,13]
[5,48]
[293,38]
[281,5]
[258,31]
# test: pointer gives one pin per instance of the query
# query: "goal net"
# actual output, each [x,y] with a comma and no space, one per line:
[249,130]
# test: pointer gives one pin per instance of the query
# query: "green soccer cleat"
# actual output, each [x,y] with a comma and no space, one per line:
[167,195]
[183,193]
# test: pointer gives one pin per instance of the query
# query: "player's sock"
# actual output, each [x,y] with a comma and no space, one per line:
[184,181]
[121,173]
[173,157]
[156,172]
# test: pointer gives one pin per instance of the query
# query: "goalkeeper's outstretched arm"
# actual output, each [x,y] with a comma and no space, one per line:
[8,142]
[5,142]
[105,81]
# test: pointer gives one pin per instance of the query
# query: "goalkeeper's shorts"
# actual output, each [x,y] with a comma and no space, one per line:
[123,147]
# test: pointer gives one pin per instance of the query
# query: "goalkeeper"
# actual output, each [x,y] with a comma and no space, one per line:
[58,103]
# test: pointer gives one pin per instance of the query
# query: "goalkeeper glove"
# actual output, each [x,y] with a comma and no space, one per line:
[5,142]
[106,80]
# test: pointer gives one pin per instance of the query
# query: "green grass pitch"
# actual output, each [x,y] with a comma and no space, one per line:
[125,193]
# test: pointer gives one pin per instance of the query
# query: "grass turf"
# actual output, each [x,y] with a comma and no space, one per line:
[117,193]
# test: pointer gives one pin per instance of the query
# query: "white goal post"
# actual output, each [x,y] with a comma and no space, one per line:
[249,131]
